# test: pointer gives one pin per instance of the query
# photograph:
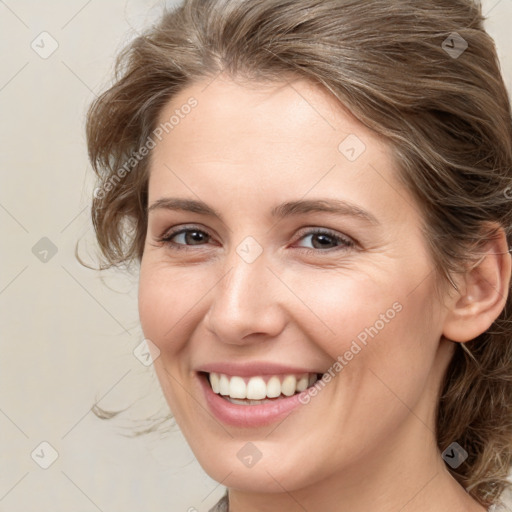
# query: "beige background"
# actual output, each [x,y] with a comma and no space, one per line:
[68,334]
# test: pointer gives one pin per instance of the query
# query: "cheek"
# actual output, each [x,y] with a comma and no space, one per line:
[167,304]
[170,302]
[337,308]
[371,323]
[162,304]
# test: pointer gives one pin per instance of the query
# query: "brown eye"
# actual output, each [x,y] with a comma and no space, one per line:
[323,240]
[185,237]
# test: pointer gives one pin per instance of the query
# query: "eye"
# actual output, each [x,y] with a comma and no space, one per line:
[322,239]
[186,236]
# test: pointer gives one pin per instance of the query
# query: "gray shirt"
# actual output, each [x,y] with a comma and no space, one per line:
[223,506]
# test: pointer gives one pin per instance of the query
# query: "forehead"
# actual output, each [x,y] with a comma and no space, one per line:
[266,140]
[290,114]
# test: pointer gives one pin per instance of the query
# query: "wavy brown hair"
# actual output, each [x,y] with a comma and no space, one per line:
[445,115]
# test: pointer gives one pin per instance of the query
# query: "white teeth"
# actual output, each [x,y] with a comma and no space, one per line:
[289,385]
[256,389]
[237,388]
[302,383]
[223,385]
[273,387]
[214,381]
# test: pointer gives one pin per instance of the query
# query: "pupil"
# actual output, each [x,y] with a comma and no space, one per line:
[323,237]
[196,236]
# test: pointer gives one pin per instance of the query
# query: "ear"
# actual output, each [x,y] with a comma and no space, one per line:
[483,292]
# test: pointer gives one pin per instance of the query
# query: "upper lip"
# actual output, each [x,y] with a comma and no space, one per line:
[253,368]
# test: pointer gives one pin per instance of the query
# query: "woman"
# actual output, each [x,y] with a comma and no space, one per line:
[318,194]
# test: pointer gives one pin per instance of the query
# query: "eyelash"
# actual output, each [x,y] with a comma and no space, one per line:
[344,242]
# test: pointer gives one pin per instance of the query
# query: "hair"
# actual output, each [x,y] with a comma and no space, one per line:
[446,117]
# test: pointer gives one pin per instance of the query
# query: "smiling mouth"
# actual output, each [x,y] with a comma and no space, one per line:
[259,389]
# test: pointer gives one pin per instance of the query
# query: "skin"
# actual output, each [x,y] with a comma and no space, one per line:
[366,441]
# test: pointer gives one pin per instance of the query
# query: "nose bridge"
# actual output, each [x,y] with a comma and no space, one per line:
[245,300]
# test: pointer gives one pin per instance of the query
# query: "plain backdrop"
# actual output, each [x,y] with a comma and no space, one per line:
[68,334]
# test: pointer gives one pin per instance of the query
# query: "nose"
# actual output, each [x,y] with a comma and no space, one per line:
[247,303]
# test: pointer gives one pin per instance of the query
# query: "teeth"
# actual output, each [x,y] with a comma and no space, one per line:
[215,382]
[237,388]
[273,387]
[258,388]
[303,383]
[289,385]
[223,385]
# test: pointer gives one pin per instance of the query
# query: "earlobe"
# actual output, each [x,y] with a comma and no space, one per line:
[484,294]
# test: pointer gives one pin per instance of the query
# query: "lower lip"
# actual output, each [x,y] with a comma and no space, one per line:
[248,415]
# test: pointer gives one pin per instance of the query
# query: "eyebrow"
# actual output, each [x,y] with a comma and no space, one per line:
[287,209]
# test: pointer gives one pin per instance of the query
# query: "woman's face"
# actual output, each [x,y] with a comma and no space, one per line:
[314,262]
